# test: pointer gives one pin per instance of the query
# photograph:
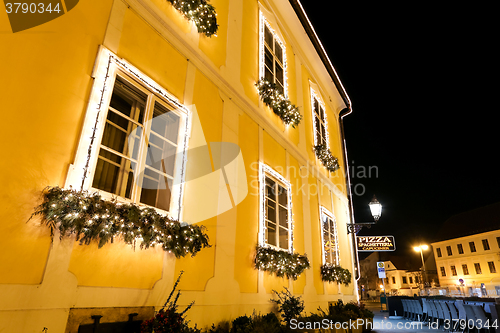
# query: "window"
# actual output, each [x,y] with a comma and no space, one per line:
[404,280]
[443,271]
[448,250]
[472,247]
[276,229]
[477,267]
[460,249]
[393,280]
[320,126]
[465,270]
[453,270]
[498,242]
[330,240]
[411,279]
[126,165]
[491,266]
[273,56]
[134,139]
[486,245]
[438,252]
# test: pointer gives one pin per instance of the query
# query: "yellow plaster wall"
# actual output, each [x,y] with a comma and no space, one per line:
[274,154]
[174,16]
[116,265]
[247,224]
[209,108]
[150,53]
[298,218]
[46,82]
[250,50]
[215,47]
[315,257]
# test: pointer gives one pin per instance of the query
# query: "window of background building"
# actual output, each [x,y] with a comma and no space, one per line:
[465,269]
[448,250]
[438,252]
[460,249]
[477,267]
[393,280]
[443,271]
[491,266]
[273,62]
[277,221]
[498,242]
[139,146]
[472,247]
[330,239]
[486,245]
[453,270]
[411,279]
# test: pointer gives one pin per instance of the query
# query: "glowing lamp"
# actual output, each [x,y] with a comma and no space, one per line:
[375,208]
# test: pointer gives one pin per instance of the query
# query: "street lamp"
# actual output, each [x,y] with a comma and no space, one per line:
[375,209]
[421,248]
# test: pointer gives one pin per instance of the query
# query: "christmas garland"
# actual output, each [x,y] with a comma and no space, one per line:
[93,219]
[281,263]
[272,97]
[335,273]
[200,12]
[325,156]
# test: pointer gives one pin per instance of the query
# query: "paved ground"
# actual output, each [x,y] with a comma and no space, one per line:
[383,324]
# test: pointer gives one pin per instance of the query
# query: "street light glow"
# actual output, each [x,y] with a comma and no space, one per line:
[375,208]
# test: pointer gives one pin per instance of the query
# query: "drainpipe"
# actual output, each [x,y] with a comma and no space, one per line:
[342,114]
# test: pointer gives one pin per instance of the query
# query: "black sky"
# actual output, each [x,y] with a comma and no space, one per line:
[423,82]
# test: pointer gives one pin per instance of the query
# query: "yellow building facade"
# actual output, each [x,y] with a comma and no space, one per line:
[128,99]
[470,265]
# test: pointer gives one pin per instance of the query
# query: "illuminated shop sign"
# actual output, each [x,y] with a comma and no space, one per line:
[376,243]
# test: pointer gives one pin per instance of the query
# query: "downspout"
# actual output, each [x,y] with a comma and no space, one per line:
[342,114]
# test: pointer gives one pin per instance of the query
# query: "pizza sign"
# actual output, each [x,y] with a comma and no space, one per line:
[376,243]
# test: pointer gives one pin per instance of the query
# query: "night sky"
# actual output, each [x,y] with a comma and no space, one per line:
[422,82]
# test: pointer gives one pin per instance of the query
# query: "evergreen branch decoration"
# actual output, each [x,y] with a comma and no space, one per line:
[280,263]
[93,219]
[200,12]
[335,273]
[324,154]
[272,97]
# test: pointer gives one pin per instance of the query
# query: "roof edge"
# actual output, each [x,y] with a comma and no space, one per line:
[306,24]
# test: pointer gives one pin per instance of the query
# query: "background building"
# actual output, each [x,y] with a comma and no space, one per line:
[468,253]
[131,100]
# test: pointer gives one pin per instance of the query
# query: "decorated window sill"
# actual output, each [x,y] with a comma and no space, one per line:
[334,273]
[272,97]
[280,263]
[200,12]
[93,219]
[326,157]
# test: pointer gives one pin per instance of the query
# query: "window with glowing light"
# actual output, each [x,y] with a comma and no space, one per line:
[273,56]
[276,227]
[320,127]
[330,238]
[139,147]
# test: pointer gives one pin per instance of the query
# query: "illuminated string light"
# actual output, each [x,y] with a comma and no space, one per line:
[272,97]
[200,12]
[64,210]
[334,273]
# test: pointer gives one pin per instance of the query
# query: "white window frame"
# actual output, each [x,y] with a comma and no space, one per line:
[316,97]
[325,213]
[264,171]
[107,67]
[263,23]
